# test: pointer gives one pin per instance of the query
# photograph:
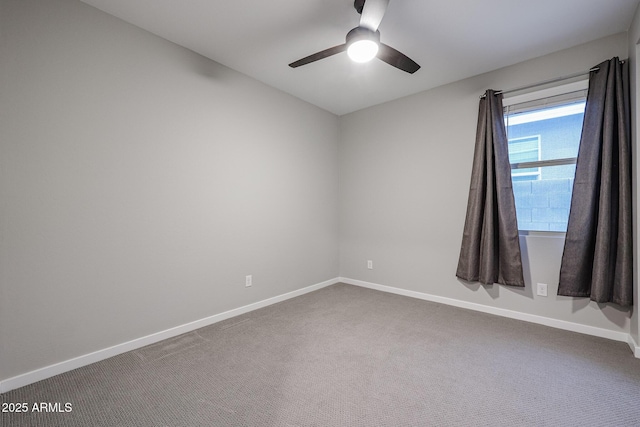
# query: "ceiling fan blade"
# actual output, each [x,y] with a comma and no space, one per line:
[397,59]
[319,55]
[372,13]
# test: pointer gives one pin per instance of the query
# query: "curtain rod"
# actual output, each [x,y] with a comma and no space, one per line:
[545,82]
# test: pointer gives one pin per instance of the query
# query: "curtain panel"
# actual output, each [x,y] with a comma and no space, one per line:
[490,251]
[597,261]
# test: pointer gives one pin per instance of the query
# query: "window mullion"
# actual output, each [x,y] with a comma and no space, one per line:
[541,163]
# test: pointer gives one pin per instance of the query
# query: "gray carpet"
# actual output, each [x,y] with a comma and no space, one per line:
[349,356]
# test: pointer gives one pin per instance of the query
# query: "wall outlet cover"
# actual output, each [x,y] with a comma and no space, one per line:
[542,289]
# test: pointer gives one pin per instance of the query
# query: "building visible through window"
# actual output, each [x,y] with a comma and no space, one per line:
[544,136]
[525,149]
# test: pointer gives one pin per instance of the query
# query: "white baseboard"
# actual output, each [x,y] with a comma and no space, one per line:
[96,356]
[547,321]
[635,347]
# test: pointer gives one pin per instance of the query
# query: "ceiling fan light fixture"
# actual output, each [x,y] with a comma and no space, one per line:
[363,50]
[362,44]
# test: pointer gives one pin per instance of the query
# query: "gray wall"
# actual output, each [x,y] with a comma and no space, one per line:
[404,178]
[141,182]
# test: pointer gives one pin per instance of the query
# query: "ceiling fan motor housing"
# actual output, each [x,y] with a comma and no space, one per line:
[362,33]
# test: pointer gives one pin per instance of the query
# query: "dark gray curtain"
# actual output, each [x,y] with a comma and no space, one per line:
[490,251]
[597,259]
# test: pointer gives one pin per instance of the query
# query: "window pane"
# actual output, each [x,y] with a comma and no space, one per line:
[543,204]
[543,194]
[558,128]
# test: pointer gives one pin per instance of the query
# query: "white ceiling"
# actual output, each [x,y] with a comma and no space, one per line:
[450,39]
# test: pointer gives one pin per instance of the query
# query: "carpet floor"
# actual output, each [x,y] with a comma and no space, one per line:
[349,356]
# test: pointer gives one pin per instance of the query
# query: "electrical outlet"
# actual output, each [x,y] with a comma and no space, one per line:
[542,289]
[248,281]
[370,264]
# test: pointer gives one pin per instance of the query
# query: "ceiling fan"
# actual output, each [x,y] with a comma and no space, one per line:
[363,42]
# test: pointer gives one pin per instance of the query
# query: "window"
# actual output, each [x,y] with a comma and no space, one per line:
[544,131]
